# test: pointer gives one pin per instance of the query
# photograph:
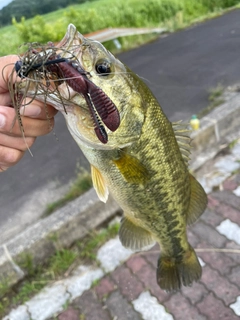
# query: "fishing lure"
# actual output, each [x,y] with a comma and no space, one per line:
[102,108]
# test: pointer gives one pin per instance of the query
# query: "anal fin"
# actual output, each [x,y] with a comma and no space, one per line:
[99,184]
[134,237]
[198,201]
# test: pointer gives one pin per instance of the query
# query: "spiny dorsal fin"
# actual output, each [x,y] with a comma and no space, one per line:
[182,134]
[99,184]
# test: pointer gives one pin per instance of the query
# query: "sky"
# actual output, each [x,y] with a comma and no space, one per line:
[3,3]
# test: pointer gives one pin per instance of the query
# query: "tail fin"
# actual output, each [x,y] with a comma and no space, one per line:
[172,273]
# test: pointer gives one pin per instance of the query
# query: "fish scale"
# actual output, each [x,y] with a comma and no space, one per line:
[143,163]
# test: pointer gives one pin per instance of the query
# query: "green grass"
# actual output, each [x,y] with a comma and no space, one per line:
[215,93]
[232,145]
[58,266]
[82,183]
[95,15]
[215,98]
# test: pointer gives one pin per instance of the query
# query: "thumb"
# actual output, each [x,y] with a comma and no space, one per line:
[6,68]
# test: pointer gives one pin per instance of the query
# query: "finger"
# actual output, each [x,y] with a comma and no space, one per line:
[18,143]
[37,109]
[7,65]
[10,125]
[9,157]
[5,99]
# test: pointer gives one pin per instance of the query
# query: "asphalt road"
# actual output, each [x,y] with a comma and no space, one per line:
[179,68]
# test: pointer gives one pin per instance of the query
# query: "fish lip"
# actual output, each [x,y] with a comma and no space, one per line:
[69,36]
[71,42]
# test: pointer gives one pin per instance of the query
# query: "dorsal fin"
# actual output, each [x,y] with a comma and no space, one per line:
[99,184]
[182,135]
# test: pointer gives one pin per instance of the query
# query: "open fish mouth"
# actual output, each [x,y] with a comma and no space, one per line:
[54,71]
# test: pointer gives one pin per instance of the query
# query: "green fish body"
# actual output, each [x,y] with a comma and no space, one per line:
[143,164]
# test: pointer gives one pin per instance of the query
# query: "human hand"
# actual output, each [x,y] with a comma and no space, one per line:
[36,121]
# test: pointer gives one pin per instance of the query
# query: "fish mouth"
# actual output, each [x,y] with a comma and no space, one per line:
[72,42]
[62,65]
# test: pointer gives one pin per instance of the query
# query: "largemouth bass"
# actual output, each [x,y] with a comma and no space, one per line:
[135,152]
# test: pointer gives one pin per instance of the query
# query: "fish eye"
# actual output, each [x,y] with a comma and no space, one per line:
[103,67]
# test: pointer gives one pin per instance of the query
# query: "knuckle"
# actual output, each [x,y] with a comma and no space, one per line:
[29,141]
[9,156]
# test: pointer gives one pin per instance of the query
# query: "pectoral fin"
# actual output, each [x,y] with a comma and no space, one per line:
[133,236]
[99,184]
[131,168]
[198,201]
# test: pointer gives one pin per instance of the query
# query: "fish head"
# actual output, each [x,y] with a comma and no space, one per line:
[102,102]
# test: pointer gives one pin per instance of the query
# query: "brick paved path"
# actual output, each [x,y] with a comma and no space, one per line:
[131,292]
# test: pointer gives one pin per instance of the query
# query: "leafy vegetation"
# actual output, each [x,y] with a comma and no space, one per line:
[58,266]
[82,183]
[95,15]
[29,8]
[215,98]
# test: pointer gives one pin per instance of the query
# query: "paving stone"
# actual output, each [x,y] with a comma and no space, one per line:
[211,218]
[202,263]
[152,257]
[195,293]
[236,150]
[104,288]
[233,276]
[70,314]
[48,302]
[90,307]
[217,260]
[237,191]
[181,308]
[112,254]
[120,308]
[236,178]
[214,180]
[230,184]
[236,306]
[228,198]
[228,212]
[230,230]
[235,255]
[147,275]
[220,285]
[207,233]
[136,262]
[76,285]
[149,308]
[227,164]
[206,184]
[212,202]
[213,308]
[192,238]
[129,286]
[19,313]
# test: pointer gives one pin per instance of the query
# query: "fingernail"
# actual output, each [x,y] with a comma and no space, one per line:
[2,120]
[30,111]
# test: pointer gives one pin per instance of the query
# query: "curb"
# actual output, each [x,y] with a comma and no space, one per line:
[74,221]
[218,128]
[61,229]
